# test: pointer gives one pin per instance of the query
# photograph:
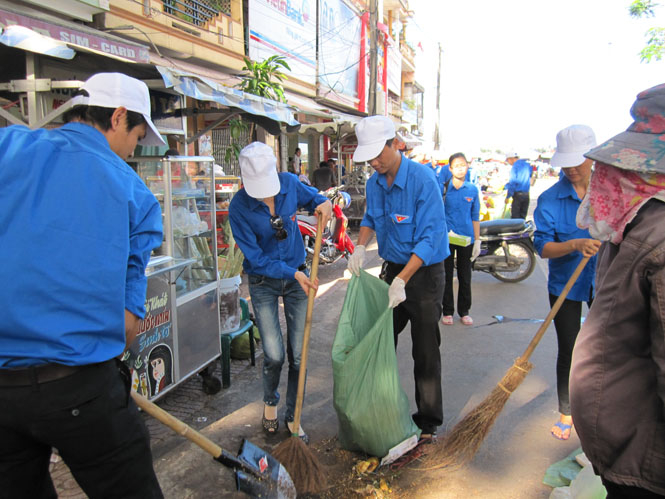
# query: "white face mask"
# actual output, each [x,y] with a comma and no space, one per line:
[599,230]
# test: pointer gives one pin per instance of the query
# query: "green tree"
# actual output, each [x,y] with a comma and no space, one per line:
[264,78]
[654,50]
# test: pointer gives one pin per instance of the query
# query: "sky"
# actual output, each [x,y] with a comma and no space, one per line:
[514,72]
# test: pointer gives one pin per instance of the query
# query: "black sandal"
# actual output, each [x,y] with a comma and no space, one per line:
[270,426]
[304,437]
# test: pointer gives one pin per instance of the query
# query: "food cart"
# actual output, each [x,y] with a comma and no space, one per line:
[179,336]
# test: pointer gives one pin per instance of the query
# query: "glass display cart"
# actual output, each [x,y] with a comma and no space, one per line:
[179,336]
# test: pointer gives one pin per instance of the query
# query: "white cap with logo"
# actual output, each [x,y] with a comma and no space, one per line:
[258,167]
[372,133]
[115,90]
[571,144]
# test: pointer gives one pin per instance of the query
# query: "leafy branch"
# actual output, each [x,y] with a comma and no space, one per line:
[264,78]
[654,50]
[642,8]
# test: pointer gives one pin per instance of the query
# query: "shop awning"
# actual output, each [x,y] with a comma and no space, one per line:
[409,139]
[24,38]
[309,107]
[205,89]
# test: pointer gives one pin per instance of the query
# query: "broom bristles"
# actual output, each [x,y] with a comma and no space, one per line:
[303,466]
[459,446]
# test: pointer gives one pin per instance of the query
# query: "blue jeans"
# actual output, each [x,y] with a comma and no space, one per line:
[265,293]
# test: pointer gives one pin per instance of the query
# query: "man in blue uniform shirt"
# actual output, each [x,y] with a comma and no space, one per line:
[78,227]
[405,210]
[518,185]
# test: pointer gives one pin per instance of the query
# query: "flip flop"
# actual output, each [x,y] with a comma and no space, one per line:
[563,427]
[447,320]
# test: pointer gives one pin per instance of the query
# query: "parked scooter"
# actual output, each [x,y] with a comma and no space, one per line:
[506,249]
[336,242]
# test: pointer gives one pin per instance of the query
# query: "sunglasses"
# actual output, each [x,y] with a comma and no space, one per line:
[277,224]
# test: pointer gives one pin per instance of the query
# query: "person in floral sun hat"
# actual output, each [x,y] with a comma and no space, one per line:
[617,379]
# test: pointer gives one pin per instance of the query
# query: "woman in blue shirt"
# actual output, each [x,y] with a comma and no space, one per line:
[558,238]
[462,203]
[263,220]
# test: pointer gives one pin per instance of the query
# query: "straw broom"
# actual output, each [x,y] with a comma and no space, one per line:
[459,446]
[303,466]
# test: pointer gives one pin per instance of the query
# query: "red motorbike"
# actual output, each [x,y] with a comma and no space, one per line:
[335,242]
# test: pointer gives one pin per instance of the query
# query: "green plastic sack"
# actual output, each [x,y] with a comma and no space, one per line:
[372,408]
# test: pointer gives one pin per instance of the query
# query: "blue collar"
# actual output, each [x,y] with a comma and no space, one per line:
[400,178]
[567,190]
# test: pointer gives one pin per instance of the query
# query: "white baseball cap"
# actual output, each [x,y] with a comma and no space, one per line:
[115,90]
[372,133]
[571,144]
[258,167]
[512,154]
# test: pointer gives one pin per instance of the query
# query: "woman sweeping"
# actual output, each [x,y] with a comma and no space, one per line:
[617,388]
[559,239]
[462,202]
[263,220]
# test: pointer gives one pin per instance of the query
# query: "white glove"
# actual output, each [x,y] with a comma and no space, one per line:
[356,260]
[396,293]
[476,249]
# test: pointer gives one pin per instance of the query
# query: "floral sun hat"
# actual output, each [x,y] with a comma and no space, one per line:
[641,147]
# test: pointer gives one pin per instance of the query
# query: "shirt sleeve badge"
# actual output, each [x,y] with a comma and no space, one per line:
[400,218]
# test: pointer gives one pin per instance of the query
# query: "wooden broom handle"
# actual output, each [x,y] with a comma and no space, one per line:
[553,311]
[176,425]
[308,325]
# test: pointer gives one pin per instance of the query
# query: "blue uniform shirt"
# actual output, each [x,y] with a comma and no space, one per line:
[555,222]
[408,216]
[520,177]
[462,208]
[250,223]
[77,226]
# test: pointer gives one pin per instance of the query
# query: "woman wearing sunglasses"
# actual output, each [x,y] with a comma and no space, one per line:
[263,220]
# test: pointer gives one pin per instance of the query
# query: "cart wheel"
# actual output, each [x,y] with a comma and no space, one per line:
[211,385]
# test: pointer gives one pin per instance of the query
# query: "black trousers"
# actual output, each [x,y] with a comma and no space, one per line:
[616,491]
[463,278]
[422,308]
[520,205]
[96,427]
[567,322]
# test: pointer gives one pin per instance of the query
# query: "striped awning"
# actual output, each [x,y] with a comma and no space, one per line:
[205,89]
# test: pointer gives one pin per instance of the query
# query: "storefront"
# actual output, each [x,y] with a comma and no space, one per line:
[45,60]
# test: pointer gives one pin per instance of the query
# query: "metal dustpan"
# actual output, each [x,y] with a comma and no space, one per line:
[258,474]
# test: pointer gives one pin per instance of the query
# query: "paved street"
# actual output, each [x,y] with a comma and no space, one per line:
[510,464]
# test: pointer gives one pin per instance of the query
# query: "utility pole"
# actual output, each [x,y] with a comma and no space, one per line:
[437,132]
[373,54]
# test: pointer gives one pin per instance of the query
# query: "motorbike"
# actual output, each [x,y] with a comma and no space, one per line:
[335,242]
[506,249]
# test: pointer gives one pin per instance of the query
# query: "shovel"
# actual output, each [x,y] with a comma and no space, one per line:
[258,474]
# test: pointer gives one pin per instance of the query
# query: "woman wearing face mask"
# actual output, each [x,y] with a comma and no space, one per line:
[263,220]
[564,244]
[462,202]
[617,379]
